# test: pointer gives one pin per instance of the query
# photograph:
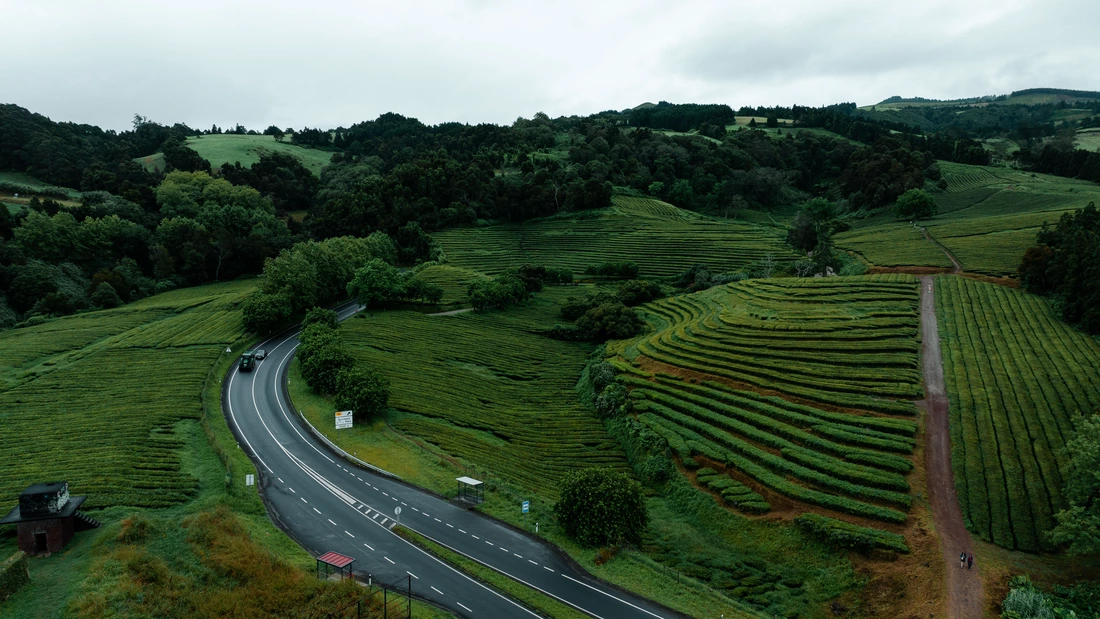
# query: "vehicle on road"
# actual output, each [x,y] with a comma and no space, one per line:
[247,362]
[260,354]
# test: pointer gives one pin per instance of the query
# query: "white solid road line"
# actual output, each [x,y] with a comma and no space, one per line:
[612,597]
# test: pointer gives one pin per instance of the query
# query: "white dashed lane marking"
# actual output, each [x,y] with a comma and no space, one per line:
[316,510]
[330,520]
[413,575]
[350,535]
[441,593]
[369,547]
[390,560]
[464,606]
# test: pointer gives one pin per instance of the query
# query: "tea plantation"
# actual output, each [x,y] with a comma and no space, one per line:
[799,388]
[92,398]
[1015,374]
[987,218]
[662,239]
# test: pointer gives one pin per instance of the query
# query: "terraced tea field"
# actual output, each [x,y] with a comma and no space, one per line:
[988,217]
[797,387]
[1015,374]
[453,281]
[488,388]
[93,398]
[661,238]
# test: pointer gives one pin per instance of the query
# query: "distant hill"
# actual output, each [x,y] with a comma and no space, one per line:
[1030,96]
[231,148]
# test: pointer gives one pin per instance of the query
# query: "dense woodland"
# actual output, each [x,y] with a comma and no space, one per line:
[136,232]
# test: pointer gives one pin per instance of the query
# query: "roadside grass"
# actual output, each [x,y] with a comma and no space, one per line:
[662,239]
[226,148]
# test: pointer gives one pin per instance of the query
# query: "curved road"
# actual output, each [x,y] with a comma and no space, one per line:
[325,504]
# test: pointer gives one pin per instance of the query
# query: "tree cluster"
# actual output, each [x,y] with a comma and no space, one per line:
[597,317]
[378,284]
[329,369]
[308,274]
[1065,264]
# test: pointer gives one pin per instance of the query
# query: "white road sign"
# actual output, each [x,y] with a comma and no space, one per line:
[343,419]
[249,480]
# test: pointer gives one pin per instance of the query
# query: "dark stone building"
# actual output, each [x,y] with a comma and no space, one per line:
[47,517]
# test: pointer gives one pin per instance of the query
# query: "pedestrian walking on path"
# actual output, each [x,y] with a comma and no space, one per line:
[969,560]
[962,559]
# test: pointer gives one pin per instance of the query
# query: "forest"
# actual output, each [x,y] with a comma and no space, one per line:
[136,232]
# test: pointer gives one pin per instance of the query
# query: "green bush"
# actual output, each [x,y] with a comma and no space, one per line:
[846,535]
[610,321]
[13,575]
[599,506]
[613,269]
[263,313]
[376,283]
[637,291]
[364,391]
[613,402]
[320,315]
[323,357]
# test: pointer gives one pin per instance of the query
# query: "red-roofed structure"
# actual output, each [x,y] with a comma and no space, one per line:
[342,563]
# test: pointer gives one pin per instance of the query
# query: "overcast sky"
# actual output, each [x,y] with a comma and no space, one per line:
[328,63]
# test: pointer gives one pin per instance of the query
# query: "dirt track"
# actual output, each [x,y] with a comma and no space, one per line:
[965,599]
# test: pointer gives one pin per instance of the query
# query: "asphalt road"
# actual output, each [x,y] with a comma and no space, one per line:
[327,504]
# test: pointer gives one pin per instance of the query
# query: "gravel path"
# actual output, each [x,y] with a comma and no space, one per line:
[965,599]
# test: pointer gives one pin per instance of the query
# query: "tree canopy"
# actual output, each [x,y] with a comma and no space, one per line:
[598,507]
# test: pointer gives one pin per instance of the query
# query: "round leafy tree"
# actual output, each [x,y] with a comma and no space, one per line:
[598,507]
[364,391]
[915,204]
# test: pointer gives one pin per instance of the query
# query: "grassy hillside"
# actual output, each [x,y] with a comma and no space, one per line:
[1015,374]
[988,217]
[226,148]
[1089,139]
[661,238]
[486,393]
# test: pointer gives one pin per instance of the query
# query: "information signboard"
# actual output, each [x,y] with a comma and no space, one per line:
[343,419]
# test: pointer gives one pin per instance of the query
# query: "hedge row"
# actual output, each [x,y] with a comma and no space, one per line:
[13,574]
[846,535]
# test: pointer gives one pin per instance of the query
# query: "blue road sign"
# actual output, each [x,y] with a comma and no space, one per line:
[526,506]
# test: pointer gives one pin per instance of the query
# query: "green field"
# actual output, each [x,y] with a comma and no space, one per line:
[988,218]
[1088,139]
[781,376]
[94,384]
[231,148]
[1015,375]
[30,184]
[661,238]
[487,388]
[453,281]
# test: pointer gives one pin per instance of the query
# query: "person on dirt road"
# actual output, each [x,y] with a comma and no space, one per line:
[962,559]
[969,560]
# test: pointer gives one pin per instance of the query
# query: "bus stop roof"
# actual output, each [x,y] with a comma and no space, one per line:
[469,481]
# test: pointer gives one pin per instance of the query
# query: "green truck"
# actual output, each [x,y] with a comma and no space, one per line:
[247,363]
